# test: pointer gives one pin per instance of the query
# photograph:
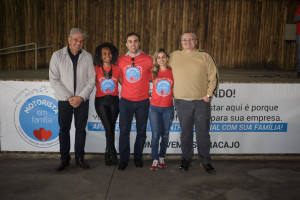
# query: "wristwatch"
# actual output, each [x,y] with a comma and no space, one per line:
[209,96]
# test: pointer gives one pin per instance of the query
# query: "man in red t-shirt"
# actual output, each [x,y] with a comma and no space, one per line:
[297,19]
[136,71]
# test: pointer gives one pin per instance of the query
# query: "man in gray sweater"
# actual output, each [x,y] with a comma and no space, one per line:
[72,77]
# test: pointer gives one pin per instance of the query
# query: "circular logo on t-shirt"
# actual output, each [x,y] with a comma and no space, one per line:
[133,74]
[163,88]
[107,86]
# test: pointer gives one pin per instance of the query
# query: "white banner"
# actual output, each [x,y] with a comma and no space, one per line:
[246,119]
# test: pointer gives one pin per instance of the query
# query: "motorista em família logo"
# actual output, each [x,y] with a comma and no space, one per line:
[36,117]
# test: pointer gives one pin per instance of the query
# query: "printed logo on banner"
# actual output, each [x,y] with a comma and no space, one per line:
[36,117]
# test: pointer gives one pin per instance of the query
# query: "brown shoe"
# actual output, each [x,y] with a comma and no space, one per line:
[62,165]
[82,163]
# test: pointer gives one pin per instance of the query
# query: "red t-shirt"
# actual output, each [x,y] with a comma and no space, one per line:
[298,23]
[135,81]
[162,93]
[107,86]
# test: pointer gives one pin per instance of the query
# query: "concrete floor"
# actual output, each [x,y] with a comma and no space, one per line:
[236,179]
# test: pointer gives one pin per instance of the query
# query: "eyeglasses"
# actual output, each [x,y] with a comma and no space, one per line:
[132,59]
[188,39]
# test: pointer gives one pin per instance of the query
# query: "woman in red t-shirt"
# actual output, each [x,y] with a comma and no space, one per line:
[107,95]
[161,112]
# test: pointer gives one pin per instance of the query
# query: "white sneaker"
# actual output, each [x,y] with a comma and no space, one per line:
[162,163]
[154,165]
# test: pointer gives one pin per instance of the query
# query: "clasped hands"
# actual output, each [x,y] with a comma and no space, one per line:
[75,101]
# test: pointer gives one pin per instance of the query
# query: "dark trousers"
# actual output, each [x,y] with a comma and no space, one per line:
[107,109]
[198,113]
[127,109]
[65,115]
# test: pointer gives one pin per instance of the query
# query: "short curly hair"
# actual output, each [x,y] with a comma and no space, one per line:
[98,53]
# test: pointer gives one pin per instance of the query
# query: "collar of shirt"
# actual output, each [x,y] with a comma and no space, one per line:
[72,55]
[138,53]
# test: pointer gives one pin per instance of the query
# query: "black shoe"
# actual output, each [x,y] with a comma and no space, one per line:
[62,165]
[122,165]
[208,168]
[113,156]
[298,74]
[107,159]
[138,162]
[185,164]
[81,162]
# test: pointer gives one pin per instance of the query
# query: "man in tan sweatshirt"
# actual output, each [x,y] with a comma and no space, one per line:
[195,82]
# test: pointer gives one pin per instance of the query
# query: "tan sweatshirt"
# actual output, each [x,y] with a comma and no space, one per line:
[195,74]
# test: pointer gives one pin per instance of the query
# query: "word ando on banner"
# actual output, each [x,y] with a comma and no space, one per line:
[229,93]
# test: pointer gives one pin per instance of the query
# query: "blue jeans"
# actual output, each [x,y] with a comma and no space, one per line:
[160,121]
[127,109]
[298,53]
